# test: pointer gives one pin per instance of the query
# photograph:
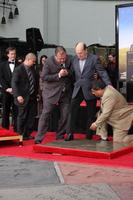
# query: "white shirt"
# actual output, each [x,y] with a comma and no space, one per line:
[81,64]
[11,65]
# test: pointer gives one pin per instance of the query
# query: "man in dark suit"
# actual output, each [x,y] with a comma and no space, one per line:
[56,91]
[25,89]
[8,106]
[84,67]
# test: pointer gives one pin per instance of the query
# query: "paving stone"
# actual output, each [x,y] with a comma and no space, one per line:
[63,192]
[19,172]
[84,174]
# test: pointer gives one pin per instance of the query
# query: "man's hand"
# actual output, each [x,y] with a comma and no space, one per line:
[20,99]
[9,90]
[62,73]
[93,126]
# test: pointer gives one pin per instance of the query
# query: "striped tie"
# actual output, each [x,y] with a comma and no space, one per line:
[31,81]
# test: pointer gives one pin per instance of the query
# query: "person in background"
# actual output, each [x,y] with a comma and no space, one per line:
[112,70]
[20,59]
[43,59]
[103,63]
[114,111]
[84,66]
[56,91]
[6,72]
[25,90]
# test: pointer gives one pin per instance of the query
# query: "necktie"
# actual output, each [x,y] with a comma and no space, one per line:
[31,81]
[11,62]
[11,65]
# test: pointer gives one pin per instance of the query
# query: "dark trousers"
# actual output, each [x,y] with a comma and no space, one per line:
[91,112]
[8,107]
[43,124]
[26,117]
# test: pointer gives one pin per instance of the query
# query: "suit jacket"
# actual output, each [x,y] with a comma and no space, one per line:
[5,75]
[84,80]
[21,84]
[115,110]
[53,85]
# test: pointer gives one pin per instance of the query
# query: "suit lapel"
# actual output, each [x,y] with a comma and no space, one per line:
[77,66]
[87,64]
[8,69]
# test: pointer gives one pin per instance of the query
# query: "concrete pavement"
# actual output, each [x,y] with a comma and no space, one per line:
[27,179]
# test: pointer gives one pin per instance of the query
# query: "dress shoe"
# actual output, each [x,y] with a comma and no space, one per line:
[89,136]
[37,142]
[28,137]
[60,137]
[31,137]
[69,137]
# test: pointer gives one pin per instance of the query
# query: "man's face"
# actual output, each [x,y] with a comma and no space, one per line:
[97,93]
[81,53]
[111,58]
[61,57]
[11,55]
[31,62]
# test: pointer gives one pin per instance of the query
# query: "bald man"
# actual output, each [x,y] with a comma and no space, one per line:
[25,88]
[84,67]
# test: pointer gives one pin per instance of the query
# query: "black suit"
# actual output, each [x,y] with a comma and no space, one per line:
[7,98]
[27,110]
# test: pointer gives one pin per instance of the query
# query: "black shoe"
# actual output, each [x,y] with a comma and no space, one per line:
[31,137]
[89,136]
[25,138]
[69,137]
[37,142]
[60,137]
[28,137]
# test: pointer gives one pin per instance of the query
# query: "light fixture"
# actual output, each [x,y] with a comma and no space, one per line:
[11,6]
[3,21]
[16,11]
[10,14]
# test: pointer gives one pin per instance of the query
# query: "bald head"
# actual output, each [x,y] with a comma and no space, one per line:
[30,59]
[80,45]
[81,50]
[30,56]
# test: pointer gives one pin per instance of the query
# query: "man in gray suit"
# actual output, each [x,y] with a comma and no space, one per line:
[114,111]
[84,67]
[57,90]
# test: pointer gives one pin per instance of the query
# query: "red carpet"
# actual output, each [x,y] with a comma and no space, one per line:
[9,148]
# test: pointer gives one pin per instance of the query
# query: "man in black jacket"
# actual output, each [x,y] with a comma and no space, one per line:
[25,89]
[6,72]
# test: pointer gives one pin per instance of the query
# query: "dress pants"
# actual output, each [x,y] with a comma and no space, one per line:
[91,113]
[26,117]
[8,107]
[122,136]
[48,107]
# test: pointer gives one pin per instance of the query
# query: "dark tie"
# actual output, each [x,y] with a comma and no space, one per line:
[31,81]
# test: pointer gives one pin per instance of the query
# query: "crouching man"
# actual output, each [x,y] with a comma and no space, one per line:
[114,111]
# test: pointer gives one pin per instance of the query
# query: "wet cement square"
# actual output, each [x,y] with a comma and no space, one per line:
[90,145]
